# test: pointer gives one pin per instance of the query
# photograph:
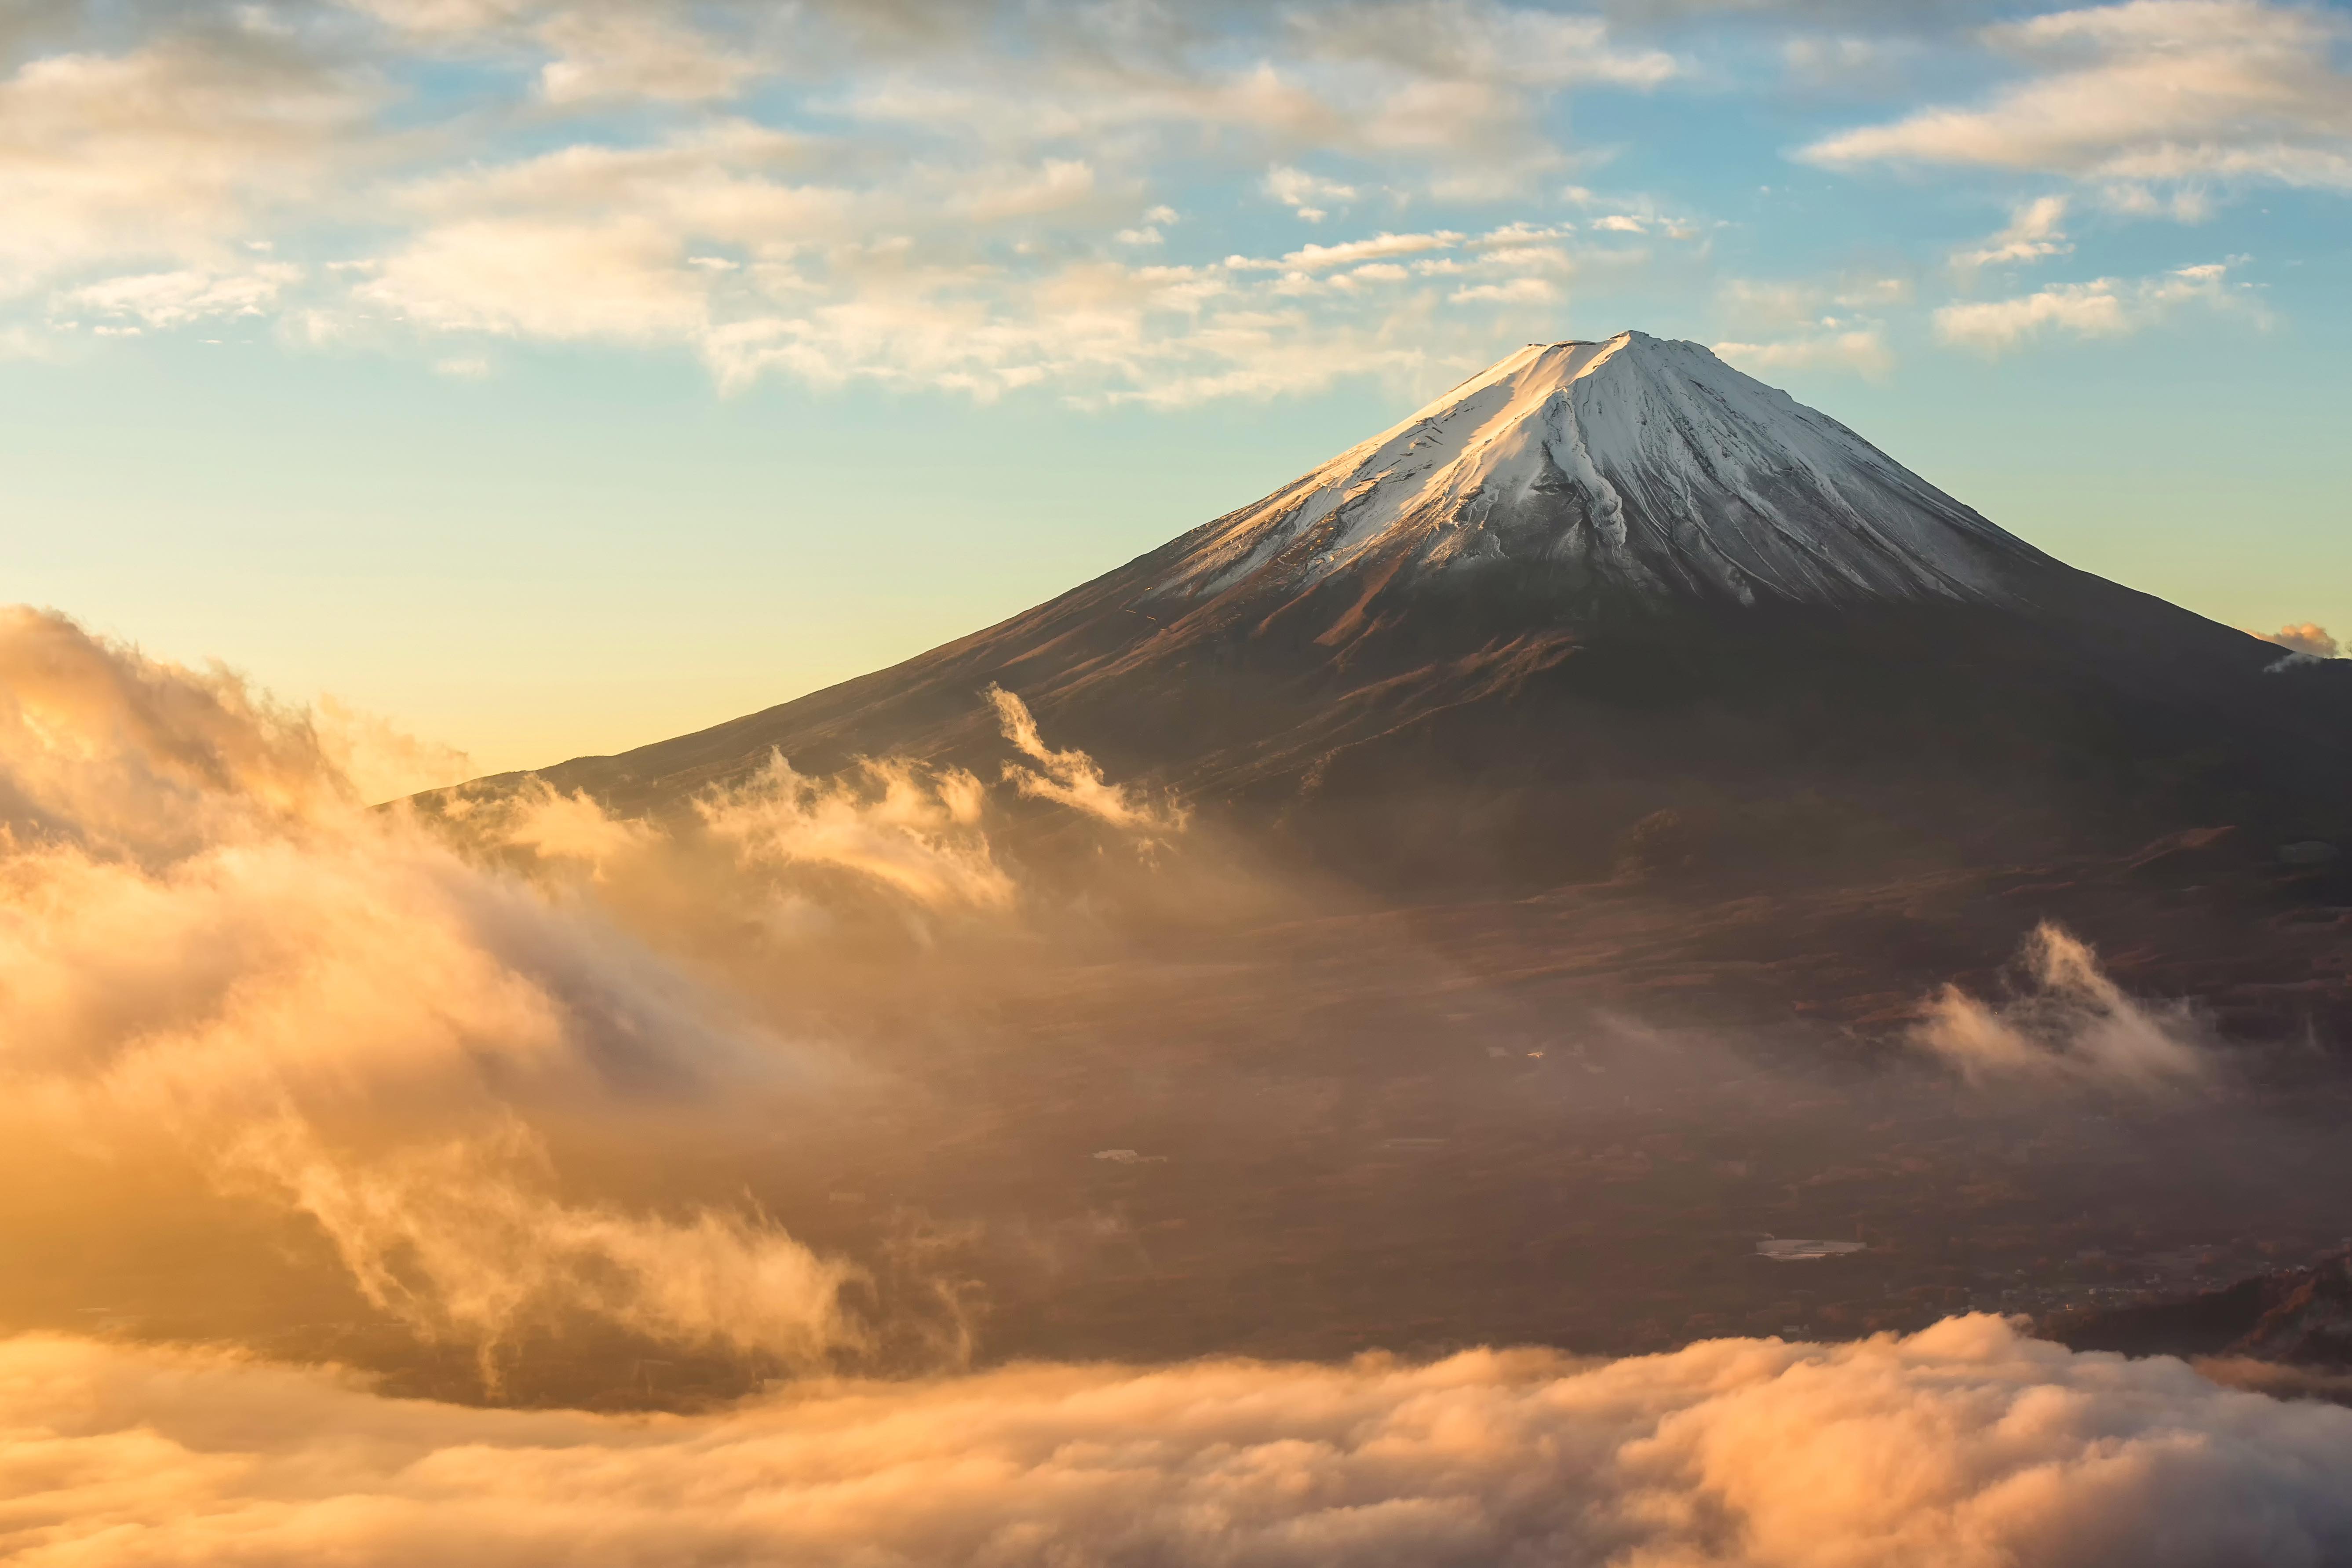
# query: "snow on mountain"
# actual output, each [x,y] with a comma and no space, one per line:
[1637,464]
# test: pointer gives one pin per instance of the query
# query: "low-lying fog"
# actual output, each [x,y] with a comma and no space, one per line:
[912,1135]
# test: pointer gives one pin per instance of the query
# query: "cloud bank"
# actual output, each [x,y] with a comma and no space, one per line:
[206,946]
[1965,1445]
[384,1023]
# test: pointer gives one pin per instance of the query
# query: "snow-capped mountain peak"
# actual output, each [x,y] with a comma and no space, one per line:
[1636,465]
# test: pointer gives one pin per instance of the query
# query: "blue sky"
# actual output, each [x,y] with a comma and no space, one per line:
[554,375]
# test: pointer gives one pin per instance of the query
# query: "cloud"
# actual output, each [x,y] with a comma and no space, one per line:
[2103,308]
[424,1043]
[176,299]
[1863,351]
[913,830]
[167,151]
[445,18]
[623,280]
[1074,779]
[553,826]
[2309,639]
[466,1241]
[2033,232]
[1308,194]
[1451,86]
[706,242]
[1819,60]
[1485,43]
[2152,92]
[1965,1444]
[126,759]
[624,54]
[922,195]
[209,952]
[2071,1022]
[377,759]
[1811,326]
[1322,258]
[1518,291]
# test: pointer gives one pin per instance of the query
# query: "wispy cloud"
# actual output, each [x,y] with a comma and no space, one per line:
[2148,92]
[169,152]
[2103,308]
[2036,230]
[1075,780]
[2069,1021]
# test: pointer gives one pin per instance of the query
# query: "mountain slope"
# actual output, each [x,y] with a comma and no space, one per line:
[1598,581]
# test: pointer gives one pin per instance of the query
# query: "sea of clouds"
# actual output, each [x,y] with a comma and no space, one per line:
[389,1026]
[1967,1444]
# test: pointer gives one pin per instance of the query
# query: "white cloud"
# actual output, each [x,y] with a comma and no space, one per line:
[2152,92]
[624,280]
[2103,308]
[1322,258]
[1517,291]
[1057,184]
[1967,1446]
[624,54]
[2034,231]
[1309,195]
[445,18]
[168,151]
[1863,351]
[937,232]
[1449,91]
[1478,41]
[176,299]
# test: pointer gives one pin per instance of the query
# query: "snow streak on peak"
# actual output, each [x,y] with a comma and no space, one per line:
[1632,464]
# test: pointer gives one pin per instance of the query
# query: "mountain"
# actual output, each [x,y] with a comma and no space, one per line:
[1607,599]
[2299,1316]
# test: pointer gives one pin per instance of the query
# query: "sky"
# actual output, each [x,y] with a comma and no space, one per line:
[552,376]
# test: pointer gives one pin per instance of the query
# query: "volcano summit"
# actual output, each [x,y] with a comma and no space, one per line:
[1596,581]
[1629,468]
